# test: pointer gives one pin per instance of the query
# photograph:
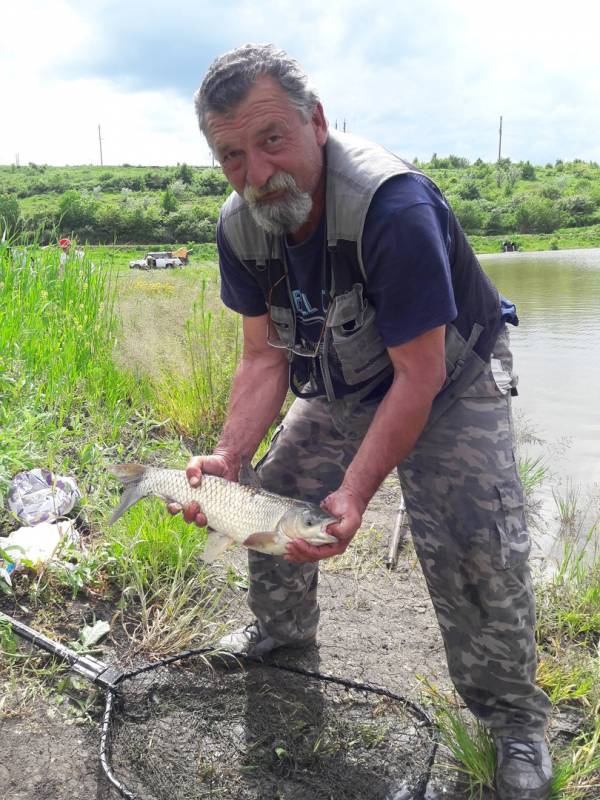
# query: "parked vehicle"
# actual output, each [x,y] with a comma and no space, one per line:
[162,260]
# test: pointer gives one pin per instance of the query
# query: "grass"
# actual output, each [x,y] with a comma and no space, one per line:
[196,401]
[469,744]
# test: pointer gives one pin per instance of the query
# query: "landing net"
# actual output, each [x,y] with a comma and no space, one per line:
[188,728]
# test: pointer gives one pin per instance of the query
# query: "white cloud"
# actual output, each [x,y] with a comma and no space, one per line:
[418,77]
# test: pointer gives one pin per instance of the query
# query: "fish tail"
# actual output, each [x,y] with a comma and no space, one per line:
[131,476]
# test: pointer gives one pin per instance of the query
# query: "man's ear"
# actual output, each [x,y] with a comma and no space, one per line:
[319,122]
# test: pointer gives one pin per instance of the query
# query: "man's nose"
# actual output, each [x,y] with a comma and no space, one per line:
[259,169]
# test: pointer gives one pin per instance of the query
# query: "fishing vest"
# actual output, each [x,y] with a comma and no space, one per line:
[351,354]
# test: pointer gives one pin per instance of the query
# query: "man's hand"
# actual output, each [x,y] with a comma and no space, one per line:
[349,508]
[219,464]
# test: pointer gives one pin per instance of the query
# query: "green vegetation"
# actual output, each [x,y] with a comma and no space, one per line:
[112,204]
[556,206]
[73,402]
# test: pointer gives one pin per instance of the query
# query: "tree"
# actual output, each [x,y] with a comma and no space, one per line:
[527,171]
[169,201]
[185,174]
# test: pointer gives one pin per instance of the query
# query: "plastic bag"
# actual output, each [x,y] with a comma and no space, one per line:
[40,496]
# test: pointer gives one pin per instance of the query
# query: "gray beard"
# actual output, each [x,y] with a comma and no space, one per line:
[281,216]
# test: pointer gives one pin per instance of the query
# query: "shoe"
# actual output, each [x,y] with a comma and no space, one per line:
[524,769]
[251,641]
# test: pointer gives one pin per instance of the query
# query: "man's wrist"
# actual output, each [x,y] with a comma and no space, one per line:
[232,458]
[361,498]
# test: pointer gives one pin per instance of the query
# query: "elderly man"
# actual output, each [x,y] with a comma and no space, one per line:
[359,291]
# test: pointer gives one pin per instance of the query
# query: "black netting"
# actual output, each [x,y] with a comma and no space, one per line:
[261,732]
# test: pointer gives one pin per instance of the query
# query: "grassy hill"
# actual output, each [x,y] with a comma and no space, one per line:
[538,207]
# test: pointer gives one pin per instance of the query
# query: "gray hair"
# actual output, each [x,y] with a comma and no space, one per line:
[231,76]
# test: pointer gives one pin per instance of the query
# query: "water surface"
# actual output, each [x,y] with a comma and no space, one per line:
[557,356]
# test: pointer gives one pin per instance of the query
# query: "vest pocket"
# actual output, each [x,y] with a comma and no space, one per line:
[354,338]
[283,322]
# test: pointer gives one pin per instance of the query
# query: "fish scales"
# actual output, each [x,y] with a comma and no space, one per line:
[236,513]
[229,507]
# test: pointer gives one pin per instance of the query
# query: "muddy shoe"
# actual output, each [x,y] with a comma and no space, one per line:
[524,770]
[251,641]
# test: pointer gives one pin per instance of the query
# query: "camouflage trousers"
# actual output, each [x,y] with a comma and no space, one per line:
[465,506]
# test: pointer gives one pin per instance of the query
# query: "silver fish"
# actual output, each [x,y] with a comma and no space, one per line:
[236,513]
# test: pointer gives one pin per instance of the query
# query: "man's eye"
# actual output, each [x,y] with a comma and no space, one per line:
[228,158]
[274,139]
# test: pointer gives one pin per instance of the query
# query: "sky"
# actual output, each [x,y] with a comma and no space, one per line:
[419,77]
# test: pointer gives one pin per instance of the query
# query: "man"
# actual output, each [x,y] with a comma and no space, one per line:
[359,291]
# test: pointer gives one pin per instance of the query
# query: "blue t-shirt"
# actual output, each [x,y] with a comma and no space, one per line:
[405,249]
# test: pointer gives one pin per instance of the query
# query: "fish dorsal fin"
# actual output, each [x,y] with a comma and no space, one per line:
[128,473]
[247,475]
[216,544]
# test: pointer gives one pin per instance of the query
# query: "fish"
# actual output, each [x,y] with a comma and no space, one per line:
[237,513]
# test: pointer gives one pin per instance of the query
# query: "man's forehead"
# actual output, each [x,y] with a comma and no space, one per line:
[263,107]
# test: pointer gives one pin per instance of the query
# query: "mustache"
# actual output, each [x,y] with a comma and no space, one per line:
[277,182]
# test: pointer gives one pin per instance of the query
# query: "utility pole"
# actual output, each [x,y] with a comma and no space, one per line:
[500,140]
[100,143]
[344,126]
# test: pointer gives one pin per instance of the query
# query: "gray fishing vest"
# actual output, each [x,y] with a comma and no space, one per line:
[351,350]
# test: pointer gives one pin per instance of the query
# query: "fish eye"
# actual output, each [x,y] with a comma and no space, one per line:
[309,519]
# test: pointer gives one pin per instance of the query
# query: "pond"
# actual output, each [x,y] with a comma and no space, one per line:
[557,357]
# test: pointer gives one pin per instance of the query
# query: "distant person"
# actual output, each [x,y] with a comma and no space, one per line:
[360,292]
[65,245]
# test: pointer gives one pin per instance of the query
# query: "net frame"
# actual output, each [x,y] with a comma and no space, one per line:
[112,680]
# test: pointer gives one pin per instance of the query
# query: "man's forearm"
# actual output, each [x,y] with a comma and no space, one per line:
[258,391]
[392,435]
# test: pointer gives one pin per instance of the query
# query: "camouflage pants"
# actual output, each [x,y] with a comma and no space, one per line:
[465,506]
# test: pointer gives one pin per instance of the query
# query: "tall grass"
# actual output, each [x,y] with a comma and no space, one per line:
[65,405]
[196,401]
[170,598]
[61,396]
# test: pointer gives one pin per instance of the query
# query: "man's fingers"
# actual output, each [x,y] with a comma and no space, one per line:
[173,508]
[192,513]
[193,471]
[300,551]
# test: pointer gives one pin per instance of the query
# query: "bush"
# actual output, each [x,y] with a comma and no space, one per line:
[211,182]
[168,200]
[537,215]
[527,171]
[75,211]
[10,215]
[470,215]
[469,190]
[185,174]
[500,219]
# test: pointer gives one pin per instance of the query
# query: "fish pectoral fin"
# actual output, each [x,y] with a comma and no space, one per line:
[261,540]
[216,544]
